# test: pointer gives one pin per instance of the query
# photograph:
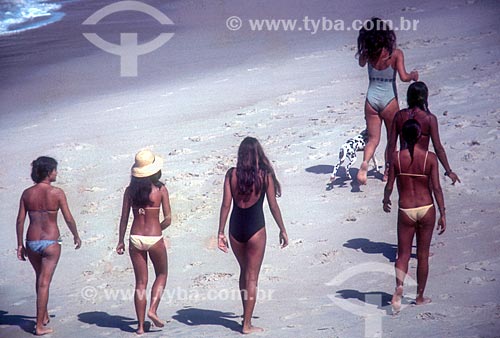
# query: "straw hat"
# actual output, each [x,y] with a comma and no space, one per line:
[146,164]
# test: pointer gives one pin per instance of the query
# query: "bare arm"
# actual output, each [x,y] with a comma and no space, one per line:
[165,205]
[120,248]
[438,194]
[389,186]
[439,149]
[68,217]
[275,210]
[400,67]
[224,211]
[21,217]
[363,59]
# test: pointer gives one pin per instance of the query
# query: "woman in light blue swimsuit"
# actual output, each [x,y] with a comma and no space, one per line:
[377,48]
[42,202]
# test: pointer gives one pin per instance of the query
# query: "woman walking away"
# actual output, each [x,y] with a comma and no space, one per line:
[415,170]
[377,48]
[145,195]
[418,109]
[42,203]
[245,187]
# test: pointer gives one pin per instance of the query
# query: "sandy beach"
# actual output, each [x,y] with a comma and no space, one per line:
[193,101]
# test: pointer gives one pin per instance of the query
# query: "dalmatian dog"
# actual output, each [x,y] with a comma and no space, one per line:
[348,152]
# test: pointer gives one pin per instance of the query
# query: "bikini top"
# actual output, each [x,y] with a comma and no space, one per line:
[411,174]
[385,75]
[142,211]
[44,211]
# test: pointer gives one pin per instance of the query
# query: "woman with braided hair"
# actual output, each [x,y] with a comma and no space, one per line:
[418,109]
[417,175]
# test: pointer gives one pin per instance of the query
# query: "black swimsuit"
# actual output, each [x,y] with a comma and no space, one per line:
[245,222]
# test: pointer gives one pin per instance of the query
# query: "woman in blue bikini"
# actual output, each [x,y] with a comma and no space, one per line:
[42,203]
[417,176]
[245,187]
[377,48]
[145,195]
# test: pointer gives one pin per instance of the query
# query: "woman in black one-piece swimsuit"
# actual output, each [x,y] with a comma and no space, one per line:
[245,187]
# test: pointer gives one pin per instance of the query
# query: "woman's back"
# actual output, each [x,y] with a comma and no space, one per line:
[413,177]
[147,219]
[424,118]
[246,201]
[42,204]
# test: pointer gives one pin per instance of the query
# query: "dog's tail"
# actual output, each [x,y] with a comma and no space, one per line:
[341,153]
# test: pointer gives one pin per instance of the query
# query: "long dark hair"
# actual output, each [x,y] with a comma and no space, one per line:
[251,161]
[42,167]
[411,133]
[417,96]
[140,189]
[374,36]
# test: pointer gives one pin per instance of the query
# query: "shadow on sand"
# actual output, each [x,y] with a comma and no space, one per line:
[195,317]
[103,319]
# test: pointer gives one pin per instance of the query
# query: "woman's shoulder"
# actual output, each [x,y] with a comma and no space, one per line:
[229,172]
[397,53]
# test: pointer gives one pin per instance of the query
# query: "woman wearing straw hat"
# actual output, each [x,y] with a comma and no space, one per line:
[42,203]
[144,196]
[245,187]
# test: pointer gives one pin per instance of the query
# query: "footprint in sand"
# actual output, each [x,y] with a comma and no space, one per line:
[476,280]
[478,266]
[431,316]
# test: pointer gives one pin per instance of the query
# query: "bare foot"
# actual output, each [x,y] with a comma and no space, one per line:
[423,300]
[43,330]
[251,329]
[396,300]
[46,320]
[154,318]
[362,173]
[139,331]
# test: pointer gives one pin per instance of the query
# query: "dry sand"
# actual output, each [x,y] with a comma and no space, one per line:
[337,270]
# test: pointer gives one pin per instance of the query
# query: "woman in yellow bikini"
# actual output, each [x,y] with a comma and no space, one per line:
[43,245]
[145,195]
[415,169]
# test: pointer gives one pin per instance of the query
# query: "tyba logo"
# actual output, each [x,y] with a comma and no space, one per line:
[128,49]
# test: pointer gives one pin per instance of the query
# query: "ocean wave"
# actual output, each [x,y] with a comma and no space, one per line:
[20,15]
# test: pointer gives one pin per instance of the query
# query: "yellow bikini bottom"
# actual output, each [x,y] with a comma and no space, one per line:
[144,243]
[416,214]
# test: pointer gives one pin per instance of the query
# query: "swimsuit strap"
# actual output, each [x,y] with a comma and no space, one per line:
[425,161]
[399,163]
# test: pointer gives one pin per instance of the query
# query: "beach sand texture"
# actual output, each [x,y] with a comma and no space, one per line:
[193,101]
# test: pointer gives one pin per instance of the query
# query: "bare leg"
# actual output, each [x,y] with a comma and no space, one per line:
[140,263]
[373,125]
[46,266]
[240,251]
[158,255]
[388,117]
[254,252]
[424,237]
[406,231]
